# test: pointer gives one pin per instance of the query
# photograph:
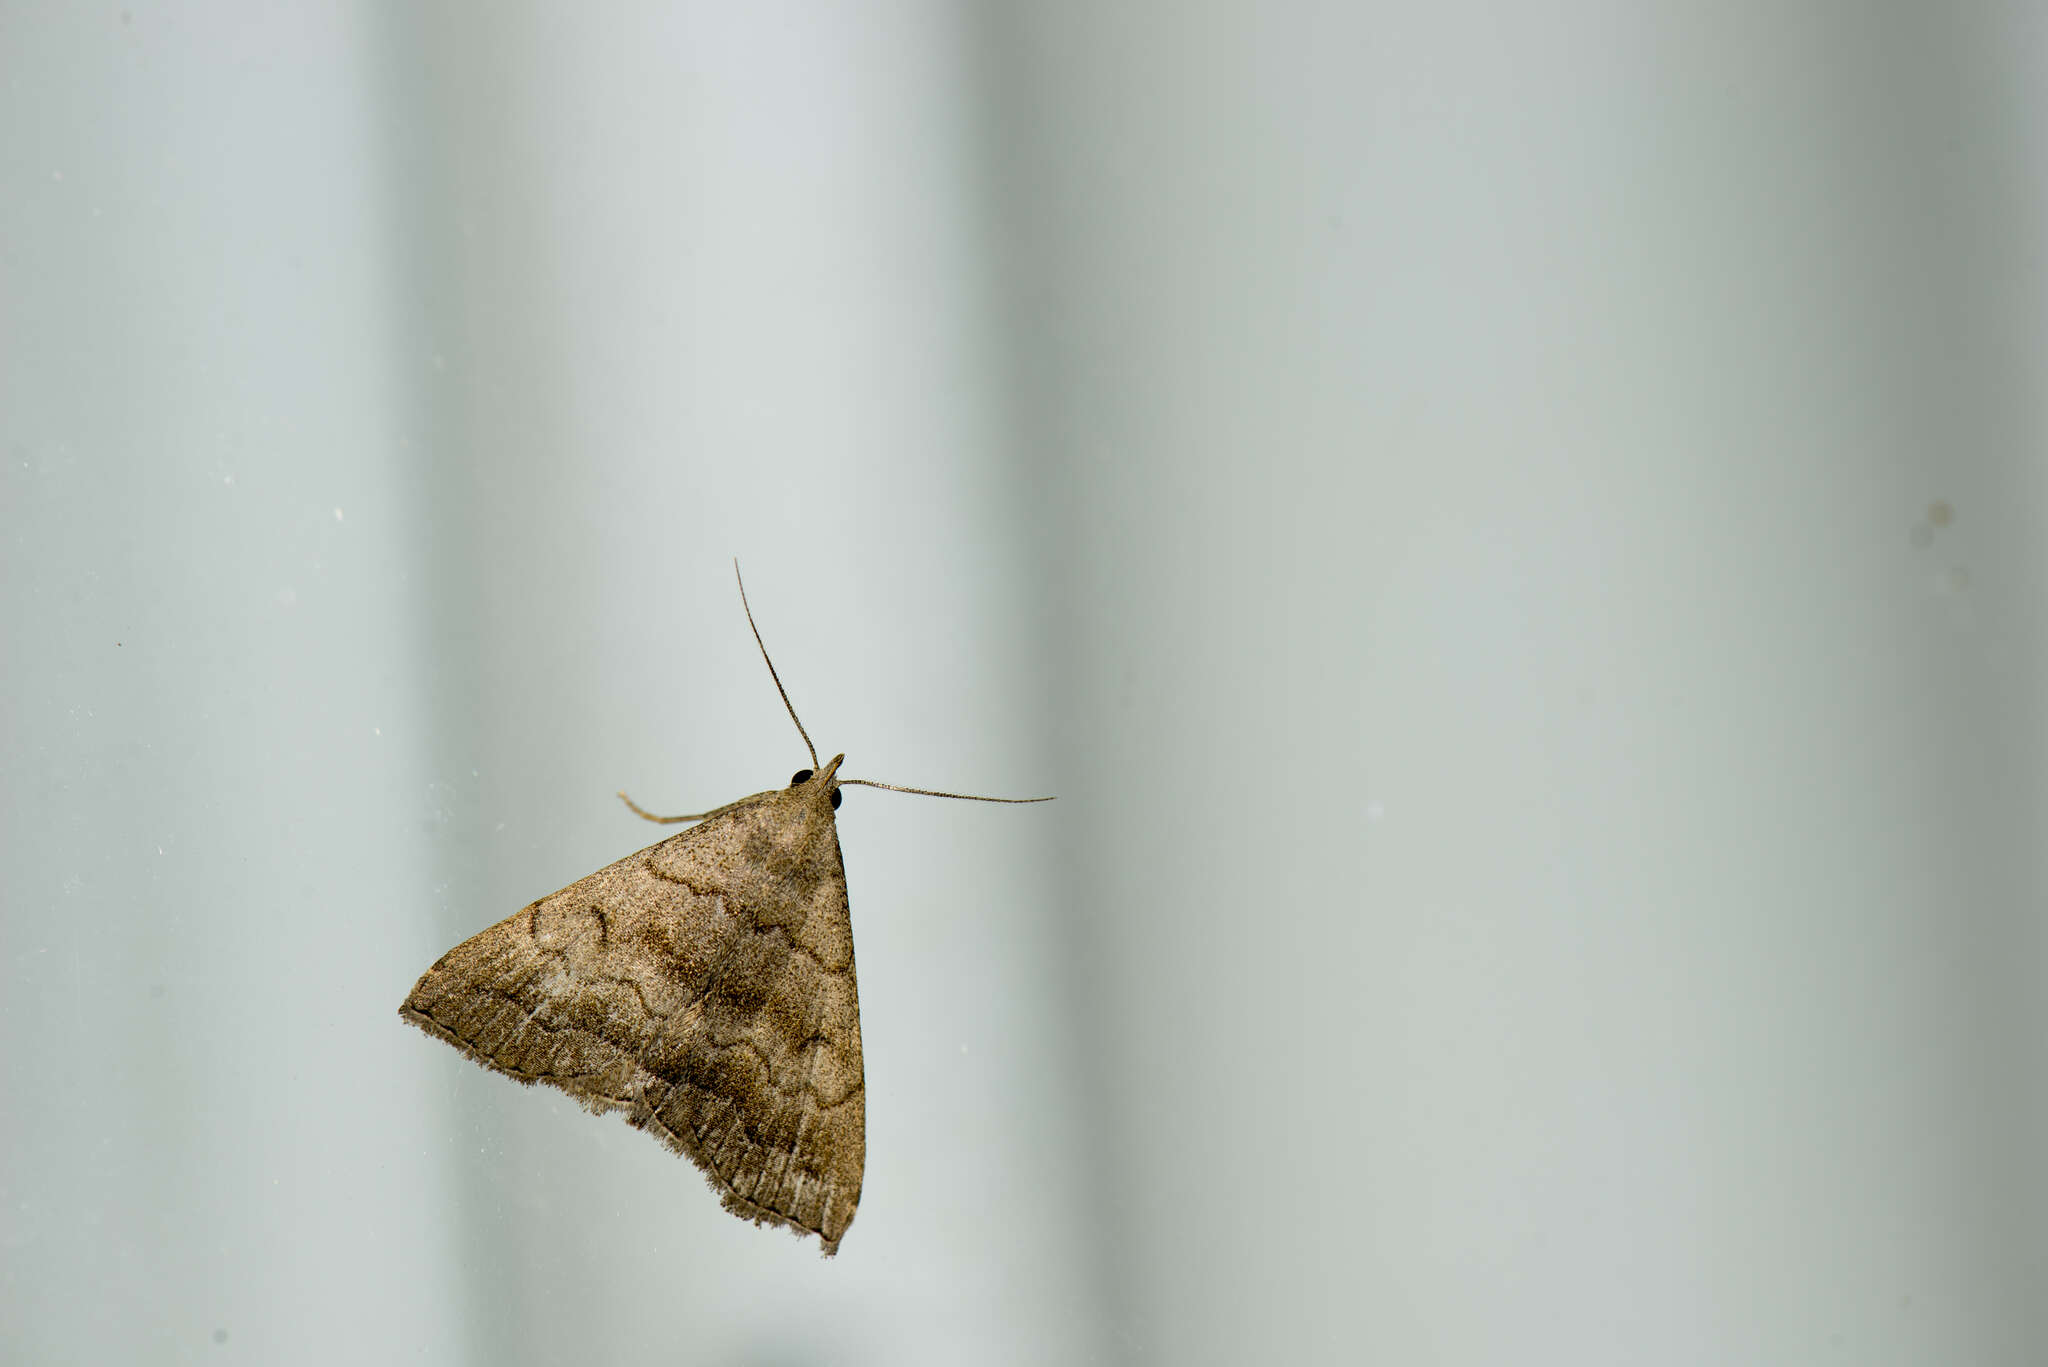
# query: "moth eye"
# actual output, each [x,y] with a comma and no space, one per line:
[800,776]
[835,799]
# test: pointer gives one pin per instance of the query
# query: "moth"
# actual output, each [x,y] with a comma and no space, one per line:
[703,988]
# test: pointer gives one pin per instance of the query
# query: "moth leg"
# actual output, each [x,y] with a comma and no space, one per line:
[646,815]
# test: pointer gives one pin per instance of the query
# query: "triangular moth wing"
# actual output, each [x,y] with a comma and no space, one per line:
[705,987]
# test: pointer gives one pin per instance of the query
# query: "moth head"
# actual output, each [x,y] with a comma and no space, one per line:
[823,783]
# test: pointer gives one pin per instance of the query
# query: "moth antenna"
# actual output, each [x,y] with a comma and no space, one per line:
[771,670]
[932,792]
[646,815]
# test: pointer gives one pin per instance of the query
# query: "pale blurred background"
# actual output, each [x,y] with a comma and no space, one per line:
[1517,539]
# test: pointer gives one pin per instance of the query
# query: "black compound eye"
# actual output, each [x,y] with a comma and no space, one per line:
[800,776]
[835,799]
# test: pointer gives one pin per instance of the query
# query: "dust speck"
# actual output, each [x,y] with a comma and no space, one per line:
[1940,514]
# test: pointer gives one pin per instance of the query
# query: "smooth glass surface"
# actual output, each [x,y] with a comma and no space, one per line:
[1517,541]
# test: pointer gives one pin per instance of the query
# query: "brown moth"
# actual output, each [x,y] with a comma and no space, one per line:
[704,987]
